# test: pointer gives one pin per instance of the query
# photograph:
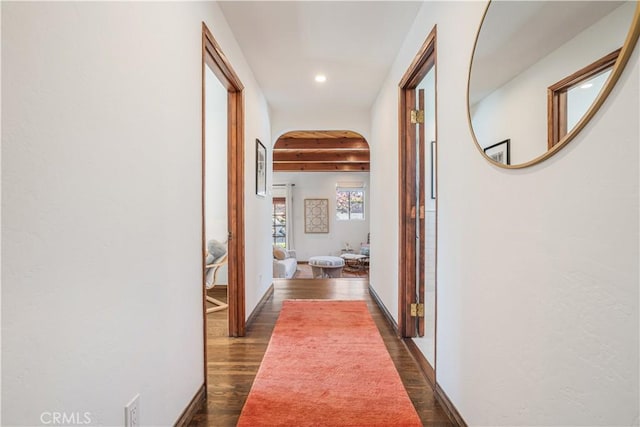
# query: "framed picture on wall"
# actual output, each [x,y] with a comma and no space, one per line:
[316,215]
[500,152]
[261,169]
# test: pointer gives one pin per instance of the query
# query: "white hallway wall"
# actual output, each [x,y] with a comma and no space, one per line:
[322,185]
[537,268]
[101,226]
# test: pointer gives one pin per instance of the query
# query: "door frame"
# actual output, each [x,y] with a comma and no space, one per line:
[418,69]
[214,58]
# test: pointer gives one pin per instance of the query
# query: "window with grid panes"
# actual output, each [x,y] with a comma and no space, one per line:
[279,222]
[349,203]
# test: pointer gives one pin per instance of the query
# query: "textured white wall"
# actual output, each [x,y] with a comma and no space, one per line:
[537,268]
[322,185]
[383,270]
[101,277]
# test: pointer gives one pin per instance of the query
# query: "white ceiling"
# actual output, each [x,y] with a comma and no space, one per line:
[287,43]
[353,43]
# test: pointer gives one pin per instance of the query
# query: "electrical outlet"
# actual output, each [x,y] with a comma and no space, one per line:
[132,412]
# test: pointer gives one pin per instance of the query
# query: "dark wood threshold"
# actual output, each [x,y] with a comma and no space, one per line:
[260,304]
[197,403]
[384,310]
[449,408]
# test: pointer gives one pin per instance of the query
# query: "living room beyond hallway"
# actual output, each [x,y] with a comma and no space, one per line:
[304,272]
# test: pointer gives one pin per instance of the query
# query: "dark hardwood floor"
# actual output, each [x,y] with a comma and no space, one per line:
[233,362]
[218,321]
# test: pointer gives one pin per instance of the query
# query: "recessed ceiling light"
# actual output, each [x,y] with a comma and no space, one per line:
[586,86]
[321,78]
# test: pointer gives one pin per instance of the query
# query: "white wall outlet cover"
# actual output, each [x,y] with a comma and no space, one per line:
[132,412]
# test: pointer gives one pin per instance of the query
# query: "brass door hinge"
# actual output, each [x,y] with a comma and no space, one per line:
[417,310]
[417,116]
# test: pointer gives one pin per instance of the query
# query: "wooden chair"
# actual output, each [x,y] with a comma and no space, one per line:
[213,269]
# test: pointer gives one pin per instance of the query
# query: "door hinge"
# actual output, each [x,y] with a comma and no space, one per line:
[229,236]
[417,310]
[417,116]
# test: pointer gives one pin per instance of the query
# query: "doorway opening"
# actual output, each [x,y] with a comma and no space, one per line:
[321,190]
[222,188]
[418,206]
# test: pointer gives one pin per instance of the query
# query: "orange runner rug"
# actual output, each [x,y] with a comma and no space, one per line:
[326,365]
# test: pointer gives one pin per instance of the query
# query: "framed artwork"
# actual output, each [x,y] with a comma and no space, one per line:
[433,169]
[500,152]
[316,215]
[261,169]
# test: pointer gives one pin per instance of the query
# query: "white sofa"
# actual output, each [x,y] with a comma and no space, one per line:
[285,268]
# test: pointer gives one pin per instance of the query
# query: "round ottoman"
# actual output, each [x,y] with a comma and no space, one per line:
[326,266]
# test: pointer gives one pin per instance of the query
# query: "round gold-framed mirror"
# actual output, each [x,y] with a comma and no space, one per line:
[540,70]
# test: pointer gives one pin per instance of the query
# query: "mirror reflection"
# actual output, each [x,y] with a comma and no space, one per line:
[582,95]
[537,68]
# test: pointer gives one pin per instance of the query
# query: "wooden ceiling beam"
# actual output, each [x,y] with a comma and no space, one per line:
[321,156]
[321,151]
[322,134]
[320,143]
[319,167]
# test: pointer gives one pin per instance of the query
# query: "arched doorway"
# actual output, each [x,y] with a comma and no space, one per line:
[327,169]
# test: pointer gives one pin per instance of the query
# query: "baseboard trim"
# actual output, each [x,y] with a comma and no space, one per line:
[425,367]
[196,403]
[429,374]
[384,310]
[259,306]
[449,408]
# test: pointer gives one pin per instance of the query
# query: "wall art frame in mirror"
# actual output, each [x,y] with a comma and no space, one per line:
[540,70]
[500,152]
